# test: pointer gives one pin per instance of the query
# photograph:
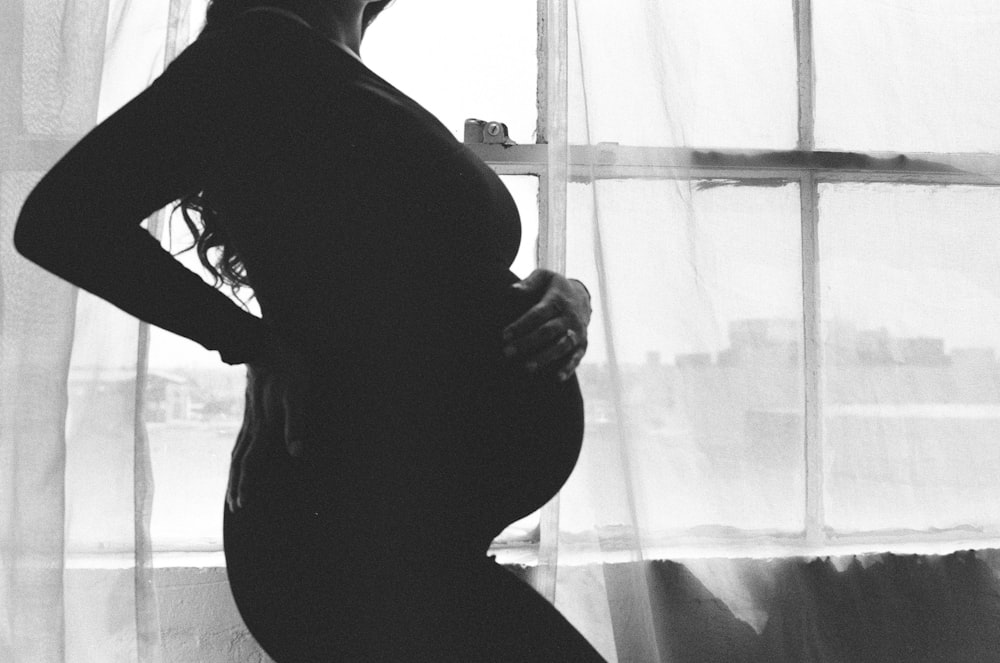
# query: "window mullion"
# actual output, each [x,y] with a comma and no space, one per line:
[812,361]
[809,222]
[552,237]
[806,75]
[552,226]
[542,90]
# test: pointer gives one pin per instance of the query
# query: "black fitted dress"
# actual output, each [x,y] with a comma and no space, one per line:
[380,246]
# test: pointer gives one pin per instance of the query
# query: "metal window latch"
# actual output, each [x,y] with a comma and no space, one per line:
[494,133]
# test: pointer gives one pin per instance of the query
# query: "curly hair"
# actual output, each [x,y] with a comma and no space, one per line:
[211,239]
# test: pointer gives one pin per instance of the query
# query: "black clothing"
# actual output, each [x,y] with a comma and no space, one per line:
[380,247]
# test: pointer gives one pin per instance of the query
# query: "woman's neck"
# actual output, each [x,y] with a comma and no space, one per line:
[342,22]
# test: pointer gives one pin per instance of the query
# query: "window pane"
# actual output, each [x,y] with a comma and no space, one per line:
[712,73]
[524,189]
[703,298]
[911,310]
[194,408]
[919,75]
[461,59]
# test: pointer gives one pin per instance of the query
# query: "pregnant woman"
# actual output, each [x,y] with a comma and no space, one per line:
[407,396]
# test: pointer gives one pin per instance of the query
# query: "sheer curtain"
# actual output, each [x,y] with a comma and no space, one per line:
[792,369]
[793,348]
[76,482]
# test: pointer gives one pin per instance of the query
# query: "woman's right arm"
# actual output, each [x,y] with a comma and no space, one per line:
[82,221]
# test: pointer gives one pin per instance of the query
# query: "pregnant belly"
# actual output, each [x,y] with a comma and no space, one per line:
[500,441]
[524,446]
[424,424]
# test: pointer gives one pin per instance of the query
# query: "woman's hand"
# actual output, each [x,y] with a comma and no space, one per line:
[552,335]
[275,412]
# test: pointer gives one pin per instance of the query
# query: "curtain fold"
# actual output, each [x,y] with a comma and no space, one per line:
[711,433]
[77,579]
[54,53]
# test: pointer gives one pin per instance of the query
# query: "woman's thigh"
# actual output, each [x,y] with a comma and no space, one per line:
[315,589]
[469,611]
[504,619]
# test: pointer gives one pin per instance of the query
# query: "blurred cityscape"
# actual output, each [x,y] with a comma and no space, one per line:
[910,427]
[761,368]
[910,431]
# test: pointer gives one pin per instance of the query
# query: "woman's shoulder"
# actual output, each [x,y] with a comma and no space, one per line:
[253,52]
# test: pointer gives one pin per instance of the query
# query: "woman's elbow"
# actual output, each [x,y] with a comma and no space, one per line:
[35,234]
[28,229]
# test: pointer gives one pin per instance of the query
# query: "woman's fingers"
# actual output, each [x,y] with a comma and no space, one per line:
[250,467]
[296,390]
[240,447]
[559,345]
[550,331]
[276,404]
[529,346]
[569,367]
[553,348]
[233,485]
[562,357]
[551,334]
[536,285]
[542,324]
[249,454]
[523,333]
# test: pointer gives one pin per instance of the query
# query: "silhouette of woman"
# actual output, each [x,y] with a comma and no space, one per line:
[387,439]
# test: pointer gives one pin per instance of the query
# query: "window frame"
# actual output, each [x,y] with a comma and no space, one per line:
[555,162]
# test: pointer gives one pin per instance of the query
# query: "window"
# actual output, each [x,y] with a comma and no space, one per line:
[806,342]
[821,340]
